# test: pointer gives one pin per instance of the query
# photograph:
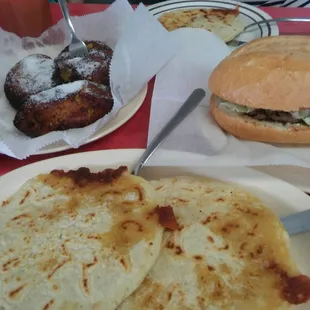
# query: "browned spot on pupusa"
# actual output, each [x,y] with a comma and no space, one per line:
[55,287]
[230,227]
[169,244]
[5,203]
[11,263]
[13,294]
[169,296]
[225,247]
[140,193]
[25,197]
[85,268]
[212,217]
[125,263]
[21,216]
[210,239]
[178,250]
[247,211]
[48,305]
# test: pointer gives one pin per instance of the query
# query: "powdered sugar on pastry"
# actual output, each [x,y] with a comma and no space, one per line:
[35,74]
[58,93]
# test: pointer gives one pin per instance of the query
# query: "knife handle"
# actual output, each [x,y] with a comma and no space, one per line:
[297,223]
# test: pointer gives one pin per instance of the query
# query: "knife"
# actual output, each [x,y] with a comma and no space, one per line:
[297,223]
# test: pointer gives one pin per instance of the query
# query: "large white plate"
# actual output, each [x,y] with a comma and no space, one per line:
[248,14]
[297,176]
[122,116]
[282,197]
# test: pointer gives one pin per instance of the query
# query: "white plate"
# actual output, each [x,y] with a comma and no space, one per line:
[297,176]
[248,14]
[123,115]
[282,197]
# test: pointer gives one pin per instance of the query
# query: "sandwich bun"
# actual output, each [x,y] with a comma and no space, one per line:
[247,128]
[270,73]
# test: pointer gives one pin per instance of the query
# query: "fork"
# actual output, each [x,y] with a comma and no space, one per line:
[77,47]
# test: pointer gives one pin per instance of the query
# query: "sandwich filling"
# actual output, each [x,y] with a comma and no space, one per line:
[301,117]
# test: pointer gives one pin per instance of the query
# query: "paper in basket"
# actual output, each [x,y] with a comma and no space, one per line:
[141,48]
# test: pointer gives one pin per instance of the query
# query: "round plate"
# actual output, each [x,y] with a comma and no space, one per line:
[297,176]
[122,116]
[280,196]
[248,14]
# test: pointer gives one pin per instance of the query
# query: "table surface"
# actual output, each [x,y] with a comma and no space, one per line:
[133,134]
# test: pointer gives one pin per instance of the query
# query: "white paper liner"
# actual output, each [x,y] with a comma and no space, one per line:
[200,52]
[134,36]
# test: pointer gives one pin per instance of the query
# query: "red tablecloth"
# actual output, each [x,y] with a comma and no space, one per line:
[133,134]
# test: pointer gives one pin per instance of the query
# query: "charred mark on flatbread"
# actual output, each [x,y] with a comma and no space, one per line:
[48,305]
[198,257]
[229,227]
[247,211]
[20,216]
[296,289]
[83,176]
[159,187]
[140,193]
[166,217]
[50,275]
[130,223]
[123,263]
[243,245]
[85,268]
[4,203]
[178,250]
[13,262]
[210,239]
[13,294]
[226,247]
[172,246]
[209,218]
[25,197]
[169,296]
[211,268]
[169,244]
[55,287]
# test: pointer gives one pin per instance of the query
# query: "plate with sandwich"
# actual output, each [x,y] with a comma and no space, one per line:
[261,93]
[81,232]
[225,18]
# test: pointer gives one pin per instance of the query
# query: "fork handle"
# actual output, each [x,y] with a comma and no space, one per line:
[65,12]
[280,19]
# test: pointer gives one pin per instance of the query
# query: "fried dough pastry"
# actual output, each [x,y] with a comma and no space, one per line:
[94,67]
[72,105]
[30,76]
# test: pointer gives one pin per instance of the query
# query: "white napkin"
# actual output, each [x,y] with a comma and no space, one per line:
[200,52]
[141,47]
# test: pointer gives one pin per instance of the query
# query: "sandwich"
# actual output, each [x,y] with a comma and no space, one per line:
[261,91]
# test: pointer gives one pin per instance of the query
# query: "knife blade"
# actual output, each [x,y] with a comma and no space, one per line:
[297,223]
